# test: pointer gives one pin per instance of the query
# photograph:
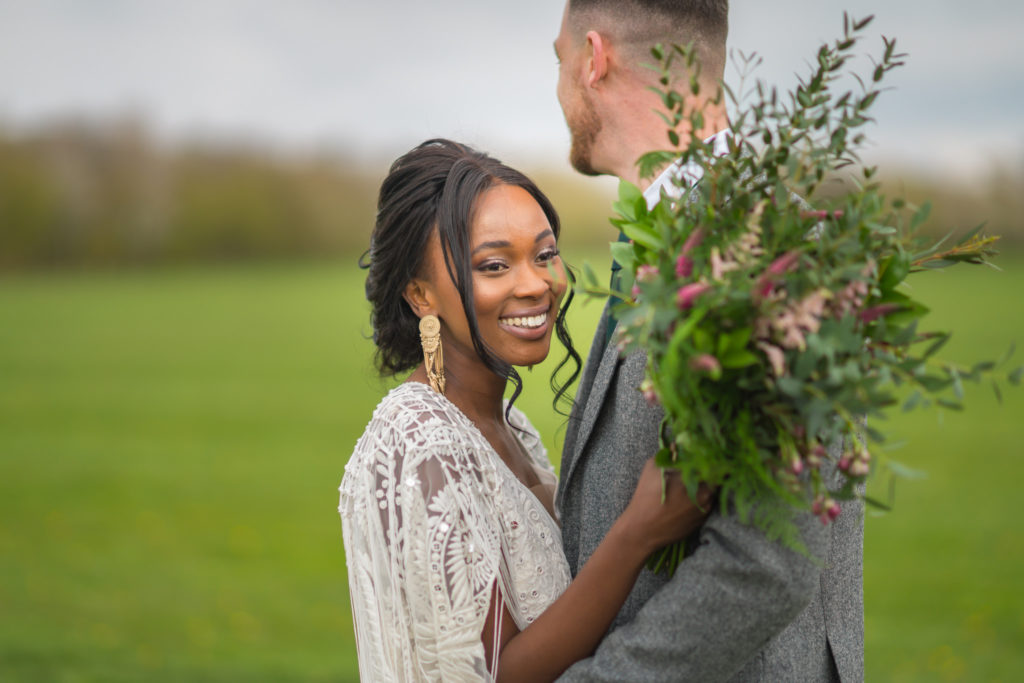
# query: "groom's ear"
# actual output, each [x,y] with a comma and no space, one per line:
[420,297]
[597,59]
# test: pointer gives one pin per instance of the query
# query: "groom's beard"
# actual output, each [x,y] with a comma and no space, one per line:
[584,126]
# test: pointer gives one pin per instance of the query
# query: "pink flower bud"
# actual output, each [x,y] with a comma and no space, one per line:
[818,506]
[797,466]
[783,263]
[859,468]
[775,357]
[875,312]
[844,462]
[688,294]
[832,509]
[706,363]
[635,291]
[646,273]
[693,241]
[763,288]
[684,266]
[821,214]
[647,389]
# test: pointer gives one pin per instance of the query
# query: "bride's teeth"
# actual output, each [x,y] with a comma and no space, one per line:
[528,321]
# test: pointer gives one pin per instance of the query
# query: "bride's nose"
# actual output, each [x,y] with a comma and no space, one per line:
[532,283]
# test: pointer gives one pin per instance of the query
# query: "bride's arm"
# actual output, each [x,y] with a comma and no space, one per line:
[571,628]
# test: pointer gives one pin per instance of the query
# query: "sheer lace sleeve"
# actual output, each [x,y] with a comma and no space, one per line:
[423,543]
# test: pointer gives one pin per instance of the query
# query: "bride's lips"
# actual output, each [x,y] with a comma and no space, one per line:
[529,325]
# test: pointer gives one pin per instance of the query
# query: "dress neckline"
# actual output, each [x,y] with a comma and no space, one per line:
[494,454]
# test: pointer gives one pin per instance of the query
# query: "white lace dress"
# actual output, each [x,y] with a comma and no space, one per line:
[433,520]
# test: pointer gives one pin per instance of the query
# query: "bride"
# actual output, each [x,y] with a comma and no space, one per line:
[454,553]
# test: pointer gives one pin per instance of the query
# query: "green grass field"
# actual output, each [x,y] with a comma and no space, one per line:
[171,444]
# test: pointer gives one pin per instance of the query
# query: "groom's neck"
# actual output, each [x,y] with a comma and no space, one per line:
[641,132]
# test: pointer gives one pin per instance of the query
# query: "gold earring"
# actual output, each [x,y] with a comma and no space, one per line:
[433,358]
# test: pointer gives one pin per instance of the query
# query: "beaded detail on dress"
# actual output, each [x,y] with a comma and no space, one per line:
[432,520]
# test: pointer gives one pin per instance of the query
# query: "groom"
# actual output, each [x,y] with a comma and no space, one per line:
[740,608]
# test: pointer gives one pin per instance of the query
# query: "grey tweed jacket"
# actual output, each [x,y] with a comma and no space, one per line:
[740,608]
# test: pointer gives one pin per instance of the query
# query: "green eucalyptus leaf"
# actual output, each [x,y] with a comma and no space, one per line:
[1009,353]
[629,195]
[933,383]
[790,386]
[702,340]
[936,345]
[624,254]
[874,434]
[982,366]
[921,215]
[901,470]
[937,264]
[912,401]
[970,233]
[906,335]
[893,271]
[737,359]
[739,339]
[644,235]
[875,503]
[951,405]
[958,387]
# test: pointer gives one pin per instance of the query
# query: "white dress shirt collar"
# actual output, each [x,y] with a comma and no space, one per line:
[690,171]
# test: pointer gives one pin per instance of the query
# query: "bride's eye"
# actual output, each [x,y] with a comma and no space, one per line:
[548,254]
[491,267]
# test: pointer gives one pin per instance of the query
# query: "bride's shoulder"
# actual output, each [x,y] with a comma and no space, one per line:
[415,404]
[414,414]
[414,430]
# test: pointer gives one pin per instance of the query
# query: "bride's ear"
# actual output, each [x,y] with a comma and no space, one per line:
[419,297]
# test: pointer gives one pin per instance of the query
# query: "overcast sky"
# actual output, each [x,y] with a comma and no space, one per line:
[378,77]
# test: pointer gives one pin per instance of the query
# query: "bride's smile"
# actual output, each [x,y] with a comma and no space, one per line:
[526,325]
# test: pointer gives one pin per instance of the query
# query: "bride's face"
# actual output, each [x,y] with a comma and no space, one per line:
[518,280]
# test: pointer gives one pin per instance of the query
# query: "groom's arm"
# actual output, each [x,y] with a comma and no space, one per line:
[724,603]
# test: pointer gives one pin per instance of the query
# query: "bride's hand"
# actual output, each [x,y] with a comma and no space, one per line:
[655,523]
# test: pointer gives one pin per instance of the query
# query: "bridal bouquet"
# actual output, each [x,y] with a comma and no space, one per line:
[773,329]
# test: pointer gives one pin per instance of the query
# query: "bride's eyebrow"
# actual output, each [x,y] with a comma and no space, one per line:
[503,244]
[496,244]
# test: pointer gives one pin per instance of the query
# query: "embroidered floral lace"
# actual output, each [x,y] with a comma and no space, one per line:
[433,520]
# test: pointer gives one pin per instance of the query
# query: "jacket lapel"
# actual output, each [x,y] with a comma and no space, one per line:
[589,399]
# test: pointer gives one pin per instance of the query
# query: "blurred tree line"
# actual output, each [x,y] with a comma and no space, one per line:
[80,194]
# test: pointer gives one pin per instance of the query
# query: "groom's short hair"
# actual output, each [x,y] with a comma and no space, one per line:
[637,25]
